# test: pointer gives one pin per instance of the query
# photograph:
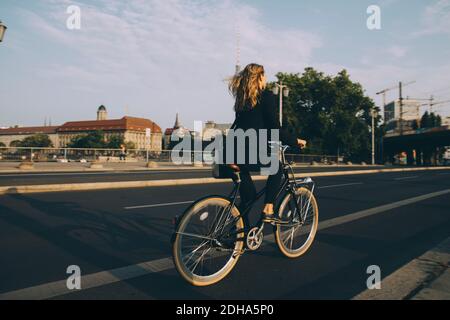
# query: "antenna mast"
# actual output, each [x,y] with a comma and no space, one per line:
[238,47]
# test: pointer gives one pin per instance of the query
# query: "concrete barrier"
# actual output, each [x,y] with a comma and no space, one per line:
[96,165]
[26,165]
[151,164]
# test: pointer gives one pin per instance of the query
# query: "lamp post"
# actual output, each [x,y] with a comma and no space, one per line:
[2,30]
[282,90]
[374,114]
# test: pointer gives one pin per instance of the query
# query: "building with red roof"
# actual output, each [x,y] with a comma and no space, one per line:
[144,133]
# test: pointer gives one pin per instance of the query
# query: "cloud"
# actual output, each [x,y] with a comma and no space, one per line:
[397,51]
[435,19]
[176,53]
[376,77]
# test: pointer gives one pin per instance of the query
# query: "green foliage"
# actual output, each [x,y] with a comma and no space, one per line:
[332,113]
[96,139]
[37,140]
[430,120]
[129,145]
[15,143]
[115,142]
[93,139]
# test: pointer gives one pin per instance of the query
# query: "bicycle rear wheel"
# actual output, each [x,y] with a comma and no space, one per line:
[208,241]
[295,237]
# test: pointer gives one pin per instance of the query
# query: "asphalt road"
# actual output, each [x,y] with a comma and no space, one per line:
[31,178]
[42,234]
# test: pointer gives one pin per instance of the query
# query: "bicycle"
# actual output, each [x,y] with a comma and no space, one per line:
[212,233]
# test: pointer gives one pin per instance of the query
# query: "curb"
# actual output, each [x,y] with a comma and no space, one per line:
[178,182]
[425,277]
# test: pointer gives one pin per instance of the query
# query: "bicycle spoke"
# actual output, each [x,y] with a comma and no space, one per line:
[196,236]
[200,259]
[194,252]
[206,241]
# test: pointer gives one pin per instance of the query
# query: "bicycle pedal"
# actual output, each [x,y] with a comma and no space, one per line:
[280,222]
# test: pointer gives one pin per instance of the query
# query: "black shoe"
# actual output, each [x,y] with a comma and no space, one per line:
[272,219]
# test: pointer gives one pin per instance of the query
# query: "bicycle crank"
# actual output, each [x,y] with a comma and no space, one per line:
[254,238]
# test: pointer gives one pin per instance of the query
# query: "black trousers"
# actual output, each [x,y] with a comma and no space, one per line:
[247,189]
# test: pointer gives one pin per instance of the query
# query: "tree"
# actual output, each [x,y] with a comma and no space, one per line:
[115,142]
[93,139]
[15,143]
[37,140]
[425,120]
[130,145]
[430,120]
[332,113]
[96,139]
[438,122]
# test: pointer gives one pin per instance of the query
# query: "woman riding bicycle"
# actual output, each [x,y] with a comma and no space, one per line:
[256,108]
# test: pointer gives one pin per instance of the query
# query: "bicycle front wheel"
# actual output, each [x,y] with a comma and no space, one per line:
[208,241]
[295,237]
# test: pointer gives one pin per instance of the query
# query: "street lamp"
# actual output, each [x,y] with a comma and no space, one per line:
[374,114]
[2,30]
[281,90]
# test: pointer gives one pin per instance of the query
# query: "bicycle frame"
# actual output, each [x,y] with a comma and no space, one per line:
[288,185]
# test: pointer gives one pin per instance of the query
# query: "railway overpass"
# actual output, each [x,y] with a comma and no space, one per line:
[421,145]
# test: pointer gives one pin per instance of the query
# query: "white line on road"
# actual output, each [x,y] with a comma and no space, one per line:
[158,205]
[404,178]
[340,185]
[166,204]
[58,288]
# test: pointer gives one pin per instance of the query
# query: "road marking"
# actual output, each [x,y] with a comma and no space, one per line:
[340,185]
[158,205]
[404,178]
[58,288]
[166,204]
[162,204]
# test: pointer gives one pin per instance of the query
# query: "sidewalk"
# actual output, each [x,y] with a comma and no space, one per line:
[424,278]
[12,167]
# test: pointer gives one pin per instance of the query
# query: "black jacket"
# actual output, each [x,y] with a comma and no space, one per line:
[264,115]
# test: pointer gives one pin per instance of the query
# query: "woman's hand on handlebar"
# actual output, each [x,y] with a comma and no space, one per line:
[301,143]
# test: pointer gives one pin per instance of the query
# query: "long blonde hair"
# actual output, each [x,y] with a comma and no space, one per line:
[245,87]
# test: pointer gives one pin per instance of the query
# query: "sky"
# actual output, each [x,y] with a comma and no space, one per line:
[156,58]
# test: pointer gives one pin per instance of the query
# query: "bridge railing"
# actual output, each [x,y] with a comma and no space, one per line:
[38,154]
